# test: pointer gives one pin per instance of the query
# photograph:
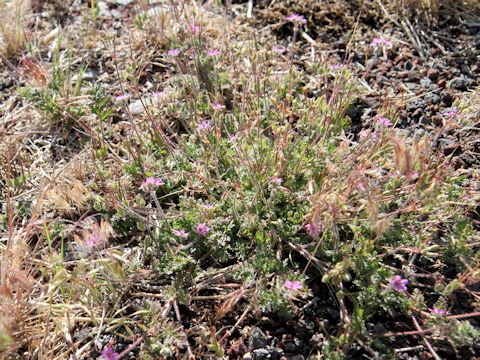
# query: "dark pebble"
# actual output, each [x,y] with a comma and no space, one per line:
[425,82]
[432,98]
[448,99]
[458,83]
[449,146]
[433,74]
[297,357]
[261,354]
[468,159]
[424,120]
[257,340]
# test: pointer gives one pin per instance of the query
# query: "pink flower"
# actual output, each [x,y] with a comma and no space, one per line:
[438,311]
[313,230]
[204,125]
[413,175]
[380,41]
[123,97]
[209,206]
[452,112]
[109,354]
[158,93]
[399,284]
[213,52]
[335,66]
[94,239]
[217,106]
[203,229]
[181,233]
[296,18]
[173,52]
[150,182]
[195,29]
[384,121]
[361,186]
[293,285]
[277,180]
[278,49]
[364,134]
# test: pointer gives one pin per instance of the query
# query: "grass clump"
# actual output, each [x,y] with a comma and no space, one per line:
[12,29]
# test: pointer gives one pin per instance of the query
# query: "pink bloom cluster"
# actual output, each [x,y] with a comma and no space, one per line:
[399,284]
[181,233]
[452,112]
[203,229]
[94,239]
[438,311]
[383,121]
[173,52]
[109,354]
[413,175]
[364,134]
[278,49]
[204,125]
[293,285]
[124,96]
[217,106]
[151,182]
[380,41]
[277,180]
[195,29]
[296,18]
[213,52]
[313,229]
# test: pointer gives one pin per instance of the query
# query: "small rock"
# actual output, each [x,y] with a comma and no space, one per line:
[356,109]
[458,83]
[433,74]
[403,74]
[333,314]
[412,86]
[297,357]
[424,120]
[124,2]
[449,146]
[290,347]
[432,98]
[379,329]
[261,354]
[116,14]
[442,83]
[447,99]
[437,120]
[86,76]
[138,107]
[468,159]
[257,340]
[103,10]
[304,328]
[425,82]
[418,113]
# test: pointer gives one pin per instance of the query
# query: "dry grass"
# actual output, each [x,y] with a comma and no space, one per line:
[13,36]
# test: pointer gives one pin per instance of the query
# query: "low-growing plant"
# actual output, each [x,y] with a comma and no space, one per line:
[242,185]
